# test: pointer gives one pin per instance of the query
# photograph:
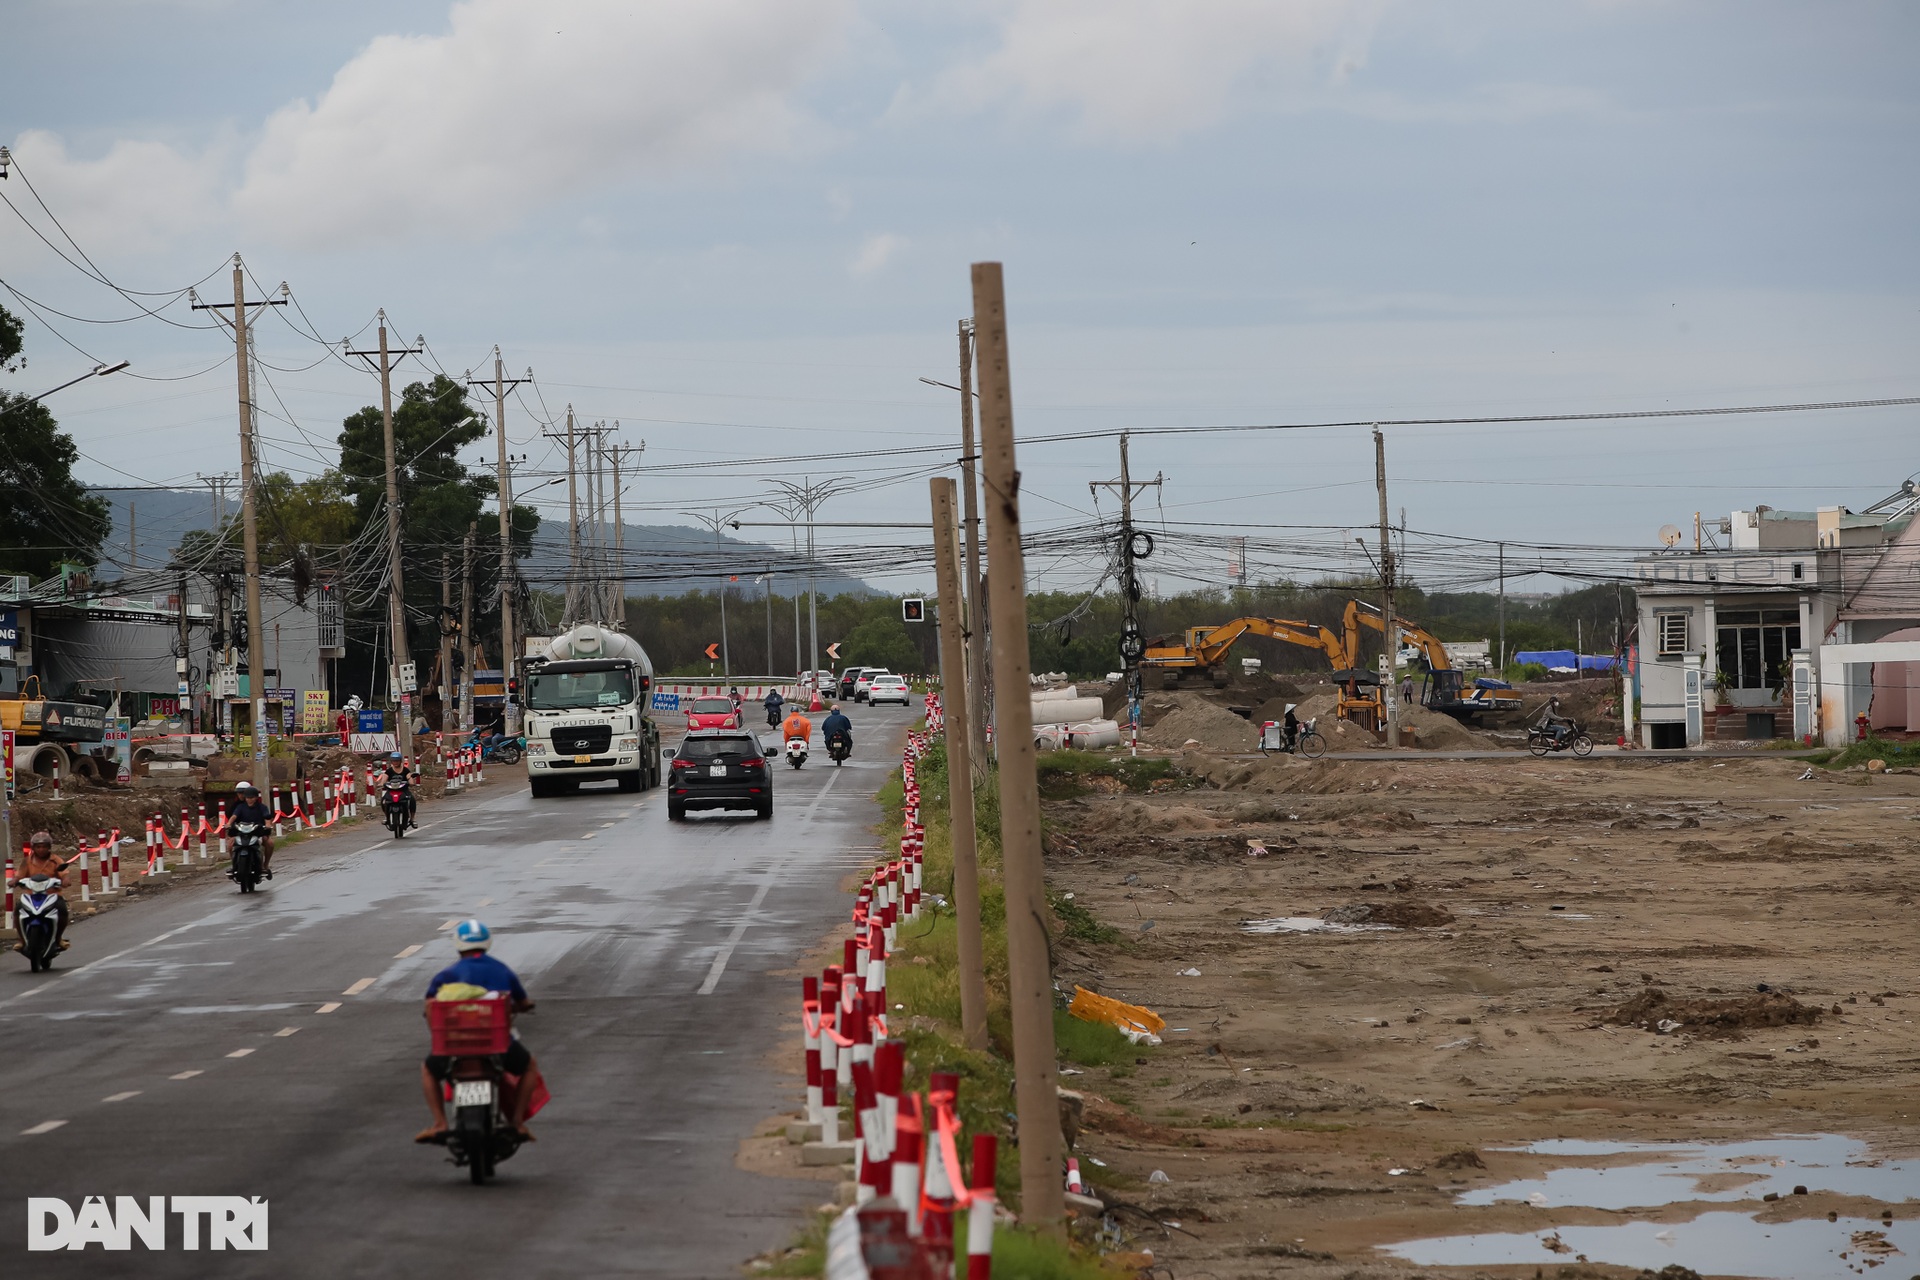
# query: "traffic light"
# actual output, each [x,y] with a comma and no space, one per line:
[913,609]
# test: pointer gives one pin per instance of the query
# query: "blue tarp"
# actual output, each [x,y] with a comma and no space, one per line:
[1566,660]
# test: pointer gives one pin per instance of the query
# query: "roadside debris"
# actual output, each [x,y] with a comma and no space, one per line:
[1140,1025]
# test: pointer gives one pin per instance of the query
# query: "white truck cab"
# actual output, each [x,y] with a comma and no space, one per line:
[588,715]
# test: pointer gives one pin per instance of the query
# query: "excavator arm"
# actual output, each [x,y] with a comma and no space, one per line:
[1205,648]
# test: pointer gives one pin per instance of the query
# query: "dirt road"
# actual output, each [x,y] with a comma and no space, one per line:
[1761,925]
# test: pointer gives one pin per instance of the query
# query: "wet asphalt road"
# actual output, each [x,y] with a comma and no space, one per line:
[184,1046]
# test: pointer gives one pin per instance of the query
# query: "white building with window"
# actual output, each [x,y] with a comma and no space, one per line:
[1782,623]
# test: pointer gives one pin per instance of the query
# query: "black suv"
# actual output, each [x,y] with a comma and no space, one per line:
[847,679]
[719,769]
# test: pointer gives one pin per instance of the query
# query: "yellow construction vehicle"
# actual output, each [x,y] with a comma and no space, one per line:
[1443,687]
[1204,649]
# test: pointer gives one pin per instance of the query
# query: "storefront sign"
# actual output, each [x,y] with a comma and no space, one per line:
[118,744]
[313,711]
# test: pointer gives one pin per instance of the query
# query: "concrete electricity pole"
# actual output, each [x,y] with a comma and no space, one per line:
[466,630]
[953,676]
[256,672]
[396,593]
[976,615]
[448,706]
[1389,625]
[508,643]
[1029,985]
[620,453]
[1133,642]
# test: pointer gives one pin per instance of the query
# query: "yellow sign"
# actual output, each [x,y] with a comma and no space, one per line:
[313,711]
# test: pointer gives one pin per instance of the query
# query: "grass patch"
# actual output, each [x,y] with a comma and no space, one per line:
[1028,1256]
[1898,755]
[1078,923]
[1091,1044]
[807,1256]
[1061,774]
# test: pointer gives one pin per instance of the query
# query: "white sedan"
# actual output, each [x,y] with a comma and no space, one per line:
[886,688]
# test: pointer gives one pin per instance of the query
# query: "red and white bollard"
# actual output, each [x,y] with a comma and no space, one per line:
[86,884]
[829,1057]
[220,832]
[1073,1176]
[200,832]
[114,885]
[980,1204]
[810,1028]
[277,814]
[906,1168]
[186,832]
[7,921]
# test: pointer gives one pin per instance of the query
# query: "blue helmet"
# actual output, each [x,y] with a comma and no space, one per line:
[472,935]
[396,756]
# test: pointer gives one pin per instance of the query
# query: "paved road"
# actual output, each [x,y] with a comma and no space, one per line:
[206,1044]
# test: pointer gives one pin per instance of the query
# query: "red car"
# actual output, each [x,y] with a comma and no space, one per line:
[713,713]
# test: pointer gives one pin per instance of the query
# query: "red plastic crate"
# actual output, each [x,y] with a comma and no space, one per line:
[469,1028]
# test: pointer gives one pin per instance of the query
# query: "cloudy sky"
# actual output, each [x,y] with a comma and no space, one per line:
[742,228]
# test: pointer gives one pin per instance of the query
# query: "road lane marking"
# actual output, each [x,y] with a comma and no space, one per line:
[45,1126]
[328,1007]
[286,1031]
[449,924]
[733,939]
[486,902]
[831,779]
[359,986]
[240,1053]
[589,835]
[121,1097]
[605,825]
[187,1075]
[412,950]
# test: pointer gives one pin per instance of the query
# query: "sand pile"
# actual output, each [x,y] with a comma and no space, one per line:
[1214,728]
[1653,1008]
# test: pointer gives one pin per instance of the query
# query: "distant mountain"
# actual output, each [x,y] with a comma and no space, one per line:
[672,559]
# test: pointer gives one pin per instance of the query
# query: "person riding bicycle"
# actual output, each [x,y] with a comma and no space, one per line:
[837,727]
[477,969]
[1554,724]
[396,774]
[773,702]
[250,806]
[41,860]
[796,726]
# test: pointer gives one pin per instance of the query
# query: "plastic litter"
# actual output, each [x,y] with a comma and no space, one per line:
[1140,1025]
[1159,1175]
[1189,973]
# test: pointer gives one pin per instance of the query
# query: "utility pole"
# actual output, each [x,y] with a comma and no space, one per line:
[953,675]
[396,594]
[188,708]
[1029,985]
[619,453]
[466,630]
[573,531]
[1503,608]
[256,674]
[1133,642]
[1389,624]
[809,497]
[448,711]
[713,521]
[508,645]
[976,615]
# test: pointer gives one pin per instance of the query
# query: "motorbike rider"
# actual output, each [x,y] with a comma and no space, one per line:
[796,726]
[251,807]
[836,725]
[773,702]
[476,968]
[41,860]
[1555,724]
[396,774]
[1290,725]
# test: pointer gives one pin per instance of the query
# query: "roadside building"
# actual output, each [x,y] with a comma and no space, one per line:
[1782,623]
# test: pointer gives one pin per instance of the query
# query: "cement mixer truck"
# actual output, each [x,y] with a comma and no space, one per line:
[588,713]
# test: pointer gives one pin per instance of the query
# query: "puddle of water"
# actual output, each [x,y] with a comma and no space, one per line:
[1309,924]
[1718,1243]
[1701,1171]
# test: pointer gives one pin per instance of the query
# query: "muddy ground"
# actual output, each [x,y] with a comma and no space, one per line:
[1770,922]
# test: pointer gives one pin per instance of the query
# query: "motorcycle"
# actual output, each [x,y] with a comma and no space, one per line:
[796,751]
[249,863]
[497,747]
[39,920]
[839,747]
[773,717]
[480,1132]
[393,808]
[1559,738]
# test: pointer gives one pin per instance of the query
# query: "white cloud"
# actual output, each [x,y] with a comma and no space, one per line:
[876,253]
[1152,70]
[138,197]
[515,104]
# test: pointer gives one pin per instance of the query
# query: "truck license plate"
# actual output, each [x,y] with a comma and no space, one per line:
[473,1093]
[583,759]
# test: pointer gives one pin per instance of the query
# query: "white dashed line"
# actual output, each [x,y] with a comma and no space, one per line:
[733,939]
[187,1075]
[240,1053]
[409,951]
[286,1031]
[358,987]
[121,1097]
[45,1126]
[328,1007]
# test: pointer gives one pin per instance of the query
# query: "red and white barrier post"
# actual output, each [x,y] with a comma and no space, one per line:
[7,921]
[980,1202]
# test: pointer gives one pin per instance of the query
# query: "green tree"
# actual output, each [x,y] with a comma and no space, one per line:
[882,642]
[46,516]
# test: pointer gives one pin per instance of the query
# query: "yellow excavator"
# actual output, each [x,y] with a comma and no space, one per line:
[1443,688]
[1204,650]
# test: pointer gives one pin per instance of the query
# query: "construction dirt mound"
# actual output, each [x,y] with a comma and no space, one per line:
[1194,719]
[1400,915]
[1653,1010]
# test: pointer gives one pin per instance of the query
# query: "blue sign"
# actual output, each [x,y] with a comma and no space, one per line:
[666,702]
[372,722]
[9,627]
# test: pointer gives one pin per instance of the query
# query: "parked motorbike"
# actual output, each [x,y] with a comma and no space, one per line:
[39,908]
[497,747]
[393,808]
[249,855]
[480,1132]
[796,751]
[1559,738]
[839,747]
